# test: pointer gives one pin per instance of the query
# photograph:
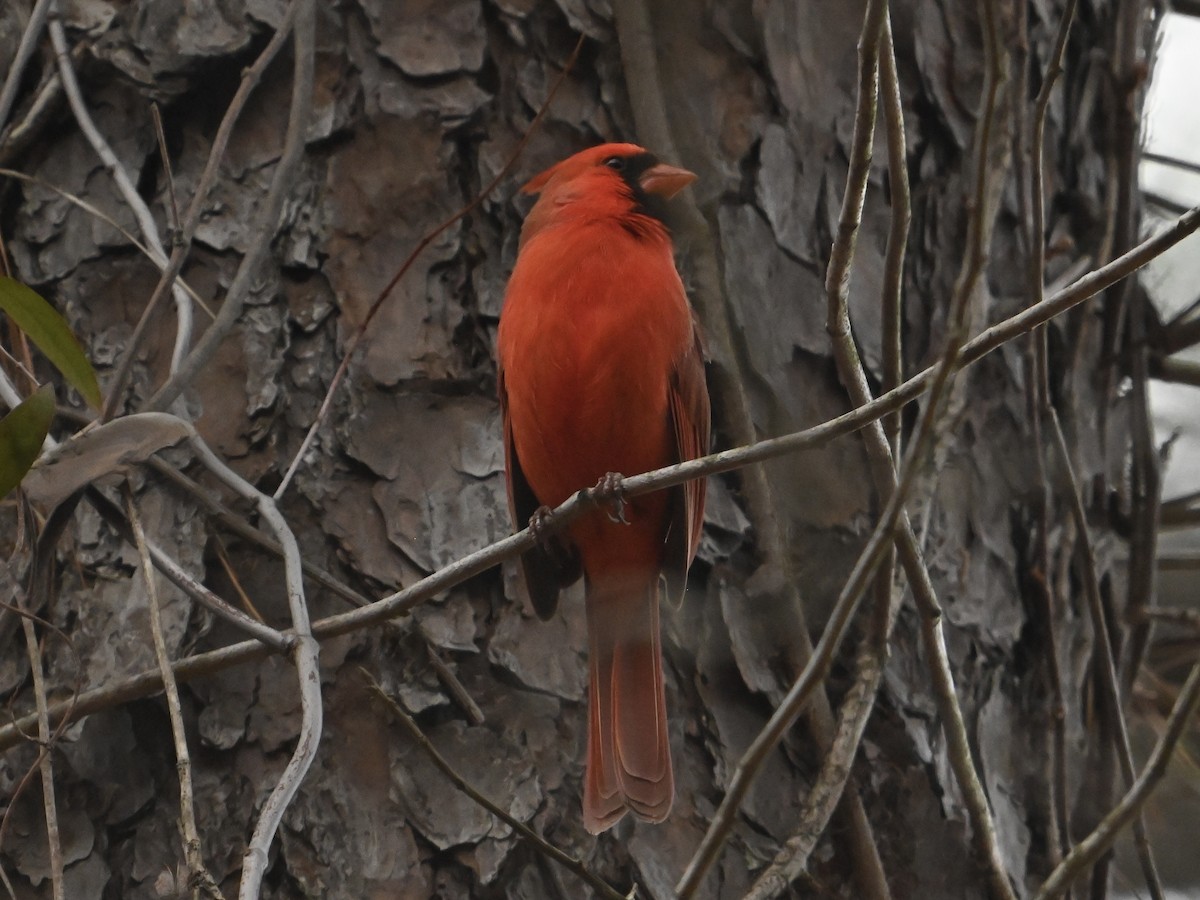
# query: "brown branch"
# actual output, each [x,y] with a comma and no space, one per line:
[107,220]
[264,228]
[639,57]
[112,514]
[234,523]
[45,760]
[187,229]
[540,844]
[1037,401]
[838,756]
[830,783]
[1176,371]
[29,39]
[192,848]
[1101,640]
[1088,851]
[148,683]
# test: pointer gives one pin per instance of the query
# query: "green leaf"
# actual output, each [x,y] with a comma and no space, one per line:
[22,433]
[50,332]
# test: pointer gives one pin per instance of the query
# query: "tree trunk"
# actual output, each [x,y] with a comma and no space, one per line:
[416,107]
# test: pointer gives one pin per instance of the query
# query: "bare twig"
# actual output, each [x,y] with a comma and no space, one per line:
[1189,618]
[1096,844]
[231,574]
[1101,641]
[1037,401]
[838,758]
[897,243]
[231,521]
[639,56]
[29,39]
[192,848]
[178,576]
[1179,371]
[161,136]
[19,136]
[187,228]
[527,834]
[818,806]
[264,229]
[879,452]
[401,602]
[45,761]
[111,222]
[456,688]
[45,746]
[128,191]
[304,648]
[360,333]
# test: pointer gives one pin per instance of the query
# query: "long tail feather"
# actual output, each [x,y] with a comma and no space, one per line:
[629,753]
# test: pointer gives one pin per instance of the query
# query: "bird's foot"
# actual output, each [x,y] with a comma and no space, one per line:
[541,526]
[610,490]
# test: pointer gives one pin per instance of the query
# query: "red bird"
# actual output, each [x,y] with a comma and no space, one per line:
[601,371]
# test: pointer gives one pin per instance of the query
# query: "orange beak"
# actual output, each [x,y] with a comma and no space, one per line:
[665,181]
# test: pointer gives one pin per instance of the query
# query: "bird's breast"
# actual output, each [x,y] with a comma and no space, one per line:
[592,329]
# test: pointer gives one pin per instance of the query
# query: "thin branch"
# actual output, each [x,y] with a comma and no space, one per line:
[29,39]
[639,57]
[45,762]
[360,333]
[475,563]
[1038,402]
[1101,641]
[1180,333]
[236,524]
[830,783]
[1188,618]
[852,374]
[838,757]
[192,848]
[897,243]
[1176,371]
[452,684]
[304,647]
[112,223]
[34,720]
[19,136]
[1174,161]
[264,227]
[187,229]
[1145,469]
[126,187]
[1096,844]
[183,580]
[161,136]
[540,844]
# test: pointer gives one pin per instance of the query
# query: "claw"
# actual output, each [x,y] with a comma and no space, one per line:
[539,526]
[611,489]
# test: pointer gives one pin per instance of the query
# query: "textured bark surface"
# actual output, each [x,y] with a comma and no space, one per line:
[416,105]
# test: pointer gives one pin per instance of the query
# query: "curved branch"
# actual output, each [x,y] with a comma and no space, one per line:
[148,683]
[264,228]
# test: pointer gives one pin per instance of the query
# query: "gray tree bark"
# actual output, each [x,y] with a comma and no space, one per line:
[415,107]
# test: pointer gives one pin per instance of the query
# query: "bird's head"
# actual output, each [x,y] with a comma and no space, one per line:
[609,180]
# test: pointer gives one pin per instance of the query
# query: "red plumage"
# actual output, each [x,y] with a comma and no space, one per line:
[600,370]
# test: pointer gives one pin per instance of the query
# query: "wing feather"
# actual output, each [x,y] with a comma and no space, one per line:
[550,568]
[690,421]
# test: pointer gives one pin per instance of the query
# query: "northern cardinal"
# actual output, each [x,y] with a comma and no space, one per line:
[601,371]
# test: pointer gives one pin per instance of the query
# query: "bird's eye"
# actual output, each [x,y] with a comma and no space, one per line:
[616,163]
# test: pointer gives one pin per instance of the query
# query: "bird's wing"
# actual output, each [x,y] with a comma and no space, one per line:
[548,567]
[690,418]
